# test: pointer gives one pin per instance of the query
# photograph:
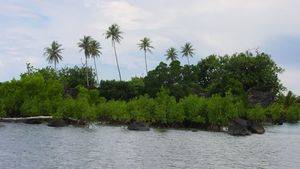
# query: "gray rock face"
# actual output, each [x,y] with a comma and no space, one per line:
[260,97]
[138,126]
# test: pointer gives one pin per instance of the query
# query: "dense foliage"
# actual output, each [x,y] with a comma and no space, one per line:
[213,92]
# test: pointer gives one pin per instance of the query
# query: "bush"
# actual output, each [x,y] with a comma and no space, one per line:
[2,112]
[293,113]
[141,109]
[92,95]
[79,109]
[113,111]
[195,109]
[221,110]
[257,113]
[166,109]
[275,111]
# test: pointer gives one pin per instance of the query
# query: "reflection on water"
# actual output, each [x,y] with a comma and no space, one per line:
[38,146]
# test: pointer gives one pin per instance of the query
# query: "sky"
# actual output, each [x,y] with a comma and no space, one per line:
[212,26]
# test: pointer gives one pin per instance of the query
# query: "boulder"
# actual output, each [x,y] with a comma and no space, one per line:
[138,126]
[236,129]
[57,123]
[256,128]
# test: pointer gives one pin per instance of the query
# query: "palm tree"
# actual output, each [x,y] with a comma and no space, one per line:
[53,53]
[85,45]
[114,34]
[145,45]
[95,51]
[187,51]
[172,54]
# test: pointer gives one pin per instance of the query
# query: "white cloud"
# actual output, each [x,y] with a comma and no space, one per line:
[291,80]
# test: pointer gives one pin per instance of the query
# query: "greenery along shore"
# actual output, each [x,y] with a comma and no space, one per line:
[212,92]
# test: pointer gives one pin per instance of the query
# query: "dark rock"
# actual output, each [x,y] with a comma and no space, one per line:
[278,122]
[139,126]
[75,122]
[241,122]
[236,129]
[33,121]
[57,123]
[260,97]
[241,127]
[256,128]
[214,128]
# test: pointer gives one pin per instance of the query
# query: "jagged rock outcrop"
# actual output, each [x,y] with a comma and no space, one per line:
[260,97]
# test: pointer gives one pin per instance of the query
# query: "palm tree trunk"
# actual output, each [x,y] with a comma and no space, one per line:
[146,62]
[54,65]
[114,45]
[188,59]
[87,72]
[96,70]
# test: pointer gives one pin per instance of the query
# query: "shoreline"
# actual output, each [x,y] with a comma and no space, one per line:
[48,120]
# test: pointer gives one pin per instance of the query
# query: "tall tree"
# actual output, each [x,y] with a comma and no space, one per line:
[172,54]
[95,52]
[187,51]
[53,53]
[114,33]
[85,45]
[145,45]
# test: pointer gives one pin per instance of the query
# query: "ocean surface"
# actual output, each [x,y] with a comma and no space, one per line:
[24,146]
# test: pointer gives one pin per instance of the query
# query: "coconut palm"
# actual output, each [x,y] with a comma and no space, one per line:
[145,45]
[95,52]
[53,53]
[172,54]
[114,33]
[187,51]
[85,45]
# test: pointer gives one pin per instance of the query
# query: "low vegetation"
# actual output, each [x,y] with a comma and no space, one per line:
[213,92]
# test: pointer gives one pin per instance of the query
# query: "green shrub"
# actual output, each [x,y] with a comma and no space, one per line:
[113,111]
[79,109]
[256,113]
[275,111]
[195,109]
[293,113]
[221,110]
[141,109]
[166,109]
[175,112]
[93,95]
[2,112]
[12,98]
